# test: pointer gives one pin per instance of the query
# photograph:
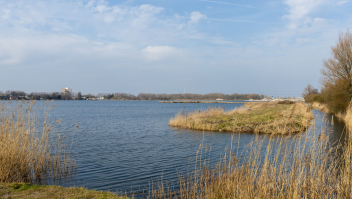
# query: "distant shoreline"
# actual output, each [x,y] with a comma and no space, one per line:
[206,102]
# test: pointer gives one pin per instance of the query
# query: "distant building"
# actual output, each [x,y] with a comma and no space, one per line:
[219,99]
[67,90]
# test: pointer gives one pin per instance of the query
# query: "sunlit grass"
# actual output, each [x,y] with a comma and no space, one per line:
[28,151]
[25,190]
[261,117]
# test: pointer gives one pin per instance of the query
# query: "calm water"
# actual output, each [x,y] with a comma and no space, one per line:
[124,145]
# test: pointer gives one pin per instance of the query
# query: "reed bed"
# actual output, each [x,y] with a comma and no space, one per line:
[305,167]
[348,117]
[321,107]
[28,151]
[271,118]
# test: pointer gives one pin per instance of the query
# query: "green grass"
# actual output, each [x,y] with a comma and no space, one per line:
[27,191]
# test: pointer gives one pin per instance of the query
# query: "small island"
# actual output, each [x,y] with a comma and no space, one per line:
[254,117]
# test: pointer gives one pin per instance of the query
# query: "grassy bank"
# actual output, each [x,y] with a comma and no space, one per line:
[22,190]
[261,117]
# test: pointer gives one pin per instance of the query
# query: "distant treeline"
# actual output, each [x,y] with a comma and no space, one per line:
[186,96]
[19,95]
[15,95]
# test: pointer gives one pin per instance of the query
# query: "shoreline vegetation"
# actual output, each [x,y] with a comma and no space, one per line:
[31,158]
[254,117]
[29,153]
[25,190]
[346,115]
[21,95]
[203,102]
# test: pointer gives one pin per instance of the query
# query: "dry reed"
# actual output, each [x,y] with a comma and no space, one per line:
[306,167]
[28,152]
[320,106]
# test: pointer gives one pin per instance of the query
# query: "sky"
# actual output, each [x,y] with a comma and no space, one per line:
[168,46]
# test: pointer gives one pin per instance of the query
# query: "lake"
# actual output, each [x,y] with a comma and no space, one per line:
[125,145]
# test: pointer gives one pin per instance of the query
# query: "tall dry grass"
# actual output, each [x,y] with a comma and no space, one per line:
[307,167]
[321,107]
[345,115]
[348,117]
[28,152]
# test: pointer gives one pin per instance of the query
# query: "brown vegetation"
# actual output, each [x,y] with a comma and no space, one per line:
[307,167]
[262,117]
[336,79]
[286,102]
[320,106]
[27,152]
[309,90]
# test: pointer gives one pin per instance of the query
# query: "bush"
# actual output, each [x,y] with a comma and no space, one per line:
[315,98]
[337,96]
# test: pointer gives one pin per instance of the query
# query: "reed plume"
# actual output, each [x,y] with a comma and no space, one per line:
[29,152]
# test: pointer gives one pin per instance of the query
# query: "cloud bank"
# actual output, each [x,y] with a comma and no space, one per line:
[101,46]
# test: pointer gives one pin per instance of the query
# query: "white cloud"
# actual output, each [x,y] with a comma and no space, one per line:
[196,16]
[159,49]
[92,28]
[340,3]
[155,53]
[299,11]
[44,14]
[233,4]
[102,8]
[91,38]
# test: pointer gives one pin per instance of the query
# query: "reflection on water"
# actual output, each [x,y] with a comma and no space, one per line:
[125,145]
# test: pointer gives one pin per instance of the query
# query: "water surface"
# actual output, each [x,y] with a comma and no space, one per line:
[124,145]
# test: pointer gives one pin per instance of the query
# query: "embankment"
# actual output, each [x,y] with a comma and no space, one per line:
[271,117]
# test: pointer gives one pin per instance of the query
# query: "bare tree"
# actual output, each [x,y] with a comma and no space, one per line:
[79,96]
[337,71]
[339,66]
[309,90]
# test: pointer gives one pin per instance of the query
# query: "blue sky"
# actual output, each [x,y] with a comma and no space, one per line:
[168,46]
